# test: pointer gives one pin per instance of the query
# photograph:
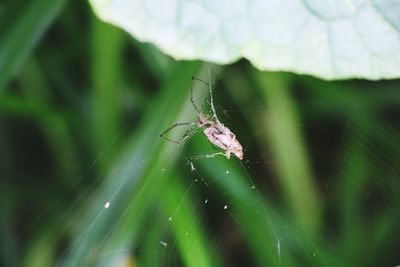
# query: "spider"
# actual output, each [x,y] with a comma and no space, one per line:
[216,132]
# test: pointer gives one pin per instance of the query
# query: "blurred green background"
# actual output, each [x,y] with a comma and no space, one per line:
[82,105]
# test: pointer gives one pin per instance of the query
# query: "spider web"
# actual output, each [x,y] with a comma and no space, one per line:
[174,206]
[162,242]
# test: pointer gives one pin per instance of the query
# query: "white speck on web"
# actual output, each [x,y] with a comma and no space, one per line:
[164,244]
[107,205]
[163,170]
[278,247]
[225,207]
[227,172]
[206,201]
[192,168]
[170,219]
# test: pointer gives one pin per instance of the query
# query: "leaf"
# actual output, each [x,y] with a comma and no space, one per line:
[329,39]
[22,35]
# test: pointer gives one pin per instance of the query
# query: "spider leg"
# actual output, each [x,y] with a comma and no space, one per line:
[198,110]
[200,80]
[209,155]
[214,113]
[189,133]
[172,127]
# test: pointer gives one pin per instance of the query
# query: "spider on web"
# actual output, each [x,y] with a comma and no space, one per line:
[216,132]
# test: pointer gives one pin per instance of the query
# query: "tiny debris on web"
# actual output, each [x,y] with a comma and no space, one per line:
[192,168]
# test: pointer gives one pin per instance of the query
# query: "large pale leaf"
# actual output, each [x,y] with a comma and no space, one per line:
[332,39]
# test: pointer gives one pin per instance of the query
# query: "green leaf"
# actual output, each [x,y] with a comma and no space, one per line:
[23,33]
[332,40]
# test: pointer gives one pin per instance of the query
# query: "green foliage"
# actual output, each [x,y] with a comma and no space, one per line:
[82,106]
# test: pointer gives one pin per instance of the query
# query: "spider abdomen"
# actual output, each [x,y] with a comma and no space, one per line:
[222,137]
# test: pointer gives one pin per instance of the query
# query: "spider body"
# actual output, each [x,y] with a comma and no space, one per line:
[220,136]
[217,133]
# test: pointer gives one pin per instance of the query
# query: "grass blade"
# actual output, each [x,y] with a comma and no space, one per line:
[25,32]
